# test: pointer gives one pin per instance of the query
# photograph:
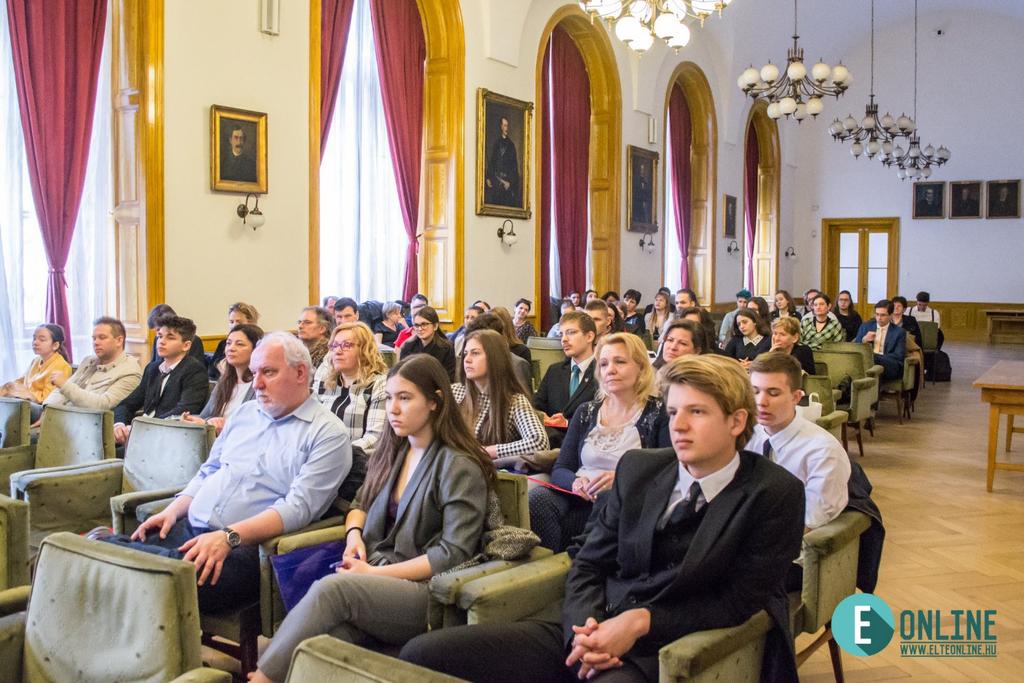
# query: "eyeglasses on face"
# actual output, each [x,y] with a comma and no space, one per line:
[421,326]
[344,346]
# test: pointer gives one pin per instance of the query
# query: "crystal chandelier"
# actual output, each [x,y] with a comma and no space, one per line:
[638,22]
[792,92]
[871,134]
[915,162]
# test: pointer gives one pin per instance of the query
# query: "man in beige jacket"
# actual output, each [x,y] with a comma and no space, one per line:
[103,380]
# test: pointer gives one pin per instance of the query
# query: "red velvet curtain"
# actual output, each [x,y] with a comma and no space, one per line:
[401,53]
[546,313]
[681,139]
[750,203]
[57,47]
[335,20]
[570,156]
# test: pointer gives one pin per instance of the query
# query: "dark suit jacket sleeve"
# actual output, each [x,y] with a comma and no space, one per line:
[197,351]
[133,402]
[897,344]
[540,399]
[195,389]
[776,529]
[732,347]
[864,329]
[805,357]
[564,471]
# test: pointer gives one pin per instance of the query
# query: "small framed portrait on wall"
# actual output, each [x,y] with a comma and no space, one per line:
[641,189]
[238,150]
[965,199]
[730,217]
[929,199]
[1003,199]
[502,155]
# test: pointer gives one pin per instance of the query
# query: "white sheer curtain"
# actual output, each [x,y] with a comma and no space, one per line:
[362,235]
[23,266]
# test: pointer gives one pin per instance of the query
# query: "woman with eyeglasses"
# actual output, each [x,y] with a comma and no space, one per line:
[428,338]
[353,388]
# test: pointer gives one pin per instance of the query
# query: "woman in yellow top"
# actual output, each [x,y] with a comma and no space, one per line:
[51,358]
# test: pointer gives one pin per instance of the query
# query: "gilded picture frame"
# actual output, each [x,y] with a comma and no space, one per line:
[238,150]
[503,149]
[641,190]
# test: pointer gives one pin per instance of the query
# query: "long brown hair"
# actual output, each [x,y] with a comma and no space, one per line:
[225,386]
[502,386]
[449,428]
[509,330]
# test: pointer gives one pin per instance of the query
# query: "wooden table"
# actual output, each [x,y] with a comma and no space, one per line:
[1005,326]
[1002,387]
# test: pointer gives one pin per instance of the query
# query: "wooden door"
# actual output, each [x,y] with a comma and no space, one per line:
[861,255]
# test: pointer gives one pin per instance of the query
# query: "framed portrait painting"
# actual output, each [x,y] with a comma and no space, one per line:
[930,199]
[965,198]
[1003,199]
[502,155]
[730,217]
[641,189]
[238,150]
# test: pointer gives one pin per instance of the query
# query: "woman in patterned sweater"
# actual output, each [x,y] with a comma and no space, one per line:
[821,327]
[493,400]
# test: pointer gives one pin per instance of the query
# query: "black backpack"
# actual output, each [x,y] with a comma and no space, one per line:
[942,371]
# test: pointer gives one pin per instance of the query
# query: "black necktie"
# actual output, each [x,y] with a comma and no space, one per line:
[685,510]
[767,450]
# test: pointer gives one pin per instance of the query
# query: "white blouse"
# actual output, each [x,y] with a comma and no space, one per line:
[605,445]
[237,398]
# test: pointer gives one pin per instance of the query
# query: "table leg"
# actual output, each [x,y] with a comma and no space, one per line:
[993,443]
[1009,432]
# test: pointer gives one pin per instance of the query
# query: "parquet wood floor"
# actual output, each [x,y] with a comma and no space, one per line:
[949,543]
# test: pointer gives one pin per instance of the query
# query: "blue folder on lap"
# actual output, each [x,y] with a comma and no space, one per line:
[296,571]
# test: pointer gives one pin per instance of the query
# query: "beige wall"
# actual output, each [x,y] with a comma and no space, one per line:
[215,54]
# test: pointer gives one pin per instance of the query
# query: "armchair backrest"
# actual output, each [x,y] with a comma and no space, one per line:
[74,436]
[513,494]
[390,357]
[830,555]
[161,454]
[545,351]
[864,350]
[841,364]
[929,335]
[822,386]
[14,556]
[14,422]
[100,612]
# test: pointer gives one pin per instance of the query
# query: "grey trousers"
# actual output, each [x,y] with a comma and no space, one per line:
[351,607]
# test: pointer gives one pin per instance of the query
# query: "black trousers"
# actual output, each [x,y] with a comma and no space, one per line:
[512,653]
[239,582]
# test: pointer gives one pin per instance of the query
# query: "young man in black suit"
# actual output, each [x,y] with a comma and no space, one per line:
[888,341]
[171,384]
[569,384]
[694,537]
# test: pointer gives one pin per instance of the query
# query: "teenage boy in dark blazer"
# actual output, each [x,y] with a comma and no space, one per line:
[556,397]
[696,537]
[893,348]
[173,383]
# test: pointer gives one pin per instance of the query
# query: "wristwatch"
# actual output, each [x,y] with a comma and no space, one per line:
[234,540]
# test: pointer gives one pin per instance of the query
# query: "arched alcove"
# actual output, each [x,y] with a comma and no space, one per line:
[769,172]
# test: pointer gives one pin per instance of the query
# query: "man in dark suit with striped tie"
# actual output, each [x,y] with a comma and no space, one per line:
[695,537]
[569,384]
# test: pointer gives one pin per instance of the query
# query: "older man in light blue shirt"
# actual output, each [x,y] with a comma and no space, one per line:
[276,467]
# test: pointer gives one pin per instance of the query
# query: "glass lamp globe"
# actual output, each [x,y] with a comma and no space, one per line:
[856,149]
[926,172]
[769,73]
[787,105]
[773,110]
[666,26]
[801,112]
[682,39]
[627,28]
[841,75]
[796,71]
[749,78]
[642,42]
[815,106]
[820,72]
[850,123]
[873,147]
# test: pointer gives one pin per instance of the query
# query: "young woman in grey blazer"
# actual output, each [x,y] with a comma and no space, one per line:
[420,512]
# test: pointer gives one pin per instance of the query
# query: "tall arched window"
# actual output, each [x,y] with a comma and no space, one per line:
[761,180]
[691,141]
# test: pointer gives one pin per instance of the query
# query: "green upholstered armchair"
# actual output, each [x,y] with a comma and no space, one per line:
[829,558]
[14,564]
[15,443]
[902,388]
[842,365]
[328,660]
[929,340]
[68,436]
[831,420]
[160,454]
[536,589]
[98,612]
[545,351]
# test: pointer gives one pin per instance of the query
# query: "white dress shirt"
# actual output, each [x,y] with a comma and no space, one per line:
[816,458]
[928,314]
[880,339]
[710,486]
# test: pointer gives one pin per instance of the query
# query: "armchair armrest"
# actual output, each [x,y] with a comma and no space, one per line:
[874,371]
[720,654]
[203,675]
[14,600]
[515,593]
[12,648]
[15,459]
[67,499]
[864,383]
[829,558]
[125,507]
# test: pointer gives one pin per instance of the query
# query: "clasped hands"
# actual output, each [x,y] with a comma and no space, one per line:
[353,560]
[587,488]
[600,646]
